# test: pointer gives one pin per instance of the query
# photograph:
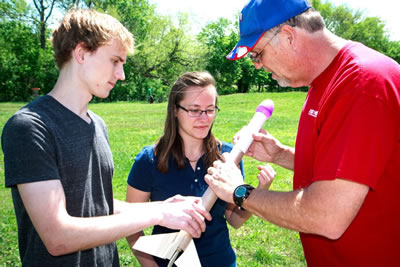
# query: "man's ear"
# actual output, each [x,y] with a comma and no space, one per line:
[290,35]
[79,53]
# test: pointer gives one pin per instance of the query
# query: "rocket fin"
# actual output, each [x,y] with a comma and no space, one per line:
[161,245]
[189,257]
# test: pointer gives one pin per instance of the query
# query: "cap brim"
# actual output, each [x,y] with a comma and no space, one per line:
[244,46]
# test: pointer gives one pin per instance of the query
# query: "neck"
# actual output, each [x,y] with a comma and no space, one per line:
[193,152]
[68,92]
[324,46]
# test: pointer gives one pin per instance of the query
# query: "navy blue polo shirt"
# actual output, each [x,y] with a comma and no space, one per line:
[213,247]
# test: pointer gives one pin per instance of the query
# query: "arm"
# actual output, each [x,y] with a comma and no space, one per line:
[325,207]
[62,234]
[237,217]
[134,195]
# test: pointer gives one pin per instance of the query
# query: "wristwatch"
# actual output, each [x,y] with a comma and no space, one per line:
[241,193]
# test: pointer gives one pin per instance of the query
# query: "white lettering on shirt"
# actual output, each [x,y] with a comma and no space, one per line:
[313,113]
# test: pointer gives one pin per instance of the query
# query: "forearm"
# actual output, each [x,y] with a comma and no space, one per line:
[285,157]
[237,217]
[292,210]
[73,234]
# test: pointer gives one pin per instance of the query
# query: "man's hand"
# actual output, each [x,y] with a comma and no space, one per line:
[223,178]
[266,148]
[184,213]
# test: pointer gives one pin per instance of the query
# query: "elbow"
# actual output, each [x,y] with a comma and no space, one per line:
[56,245]
[236,226]
[333,231]
[56,248]
[333,234]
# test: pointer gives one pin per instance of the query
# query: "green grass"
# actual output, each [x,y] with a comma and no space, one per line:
[134,125]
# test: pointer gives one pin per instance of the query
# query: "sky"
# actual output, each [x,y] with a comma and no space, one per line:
[203,11]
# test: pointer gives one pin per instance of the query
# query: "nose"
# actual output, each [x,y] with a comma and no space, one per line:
[119,72]
[203,115]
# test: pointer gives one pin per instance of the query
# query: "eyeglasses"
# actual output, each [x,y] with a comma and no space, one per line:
[256,57]
[197,112]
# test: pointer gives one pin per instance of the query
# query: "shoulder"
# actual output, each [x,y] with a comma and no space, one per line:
[368,62]
[24,122]
[146,154]
[226,147]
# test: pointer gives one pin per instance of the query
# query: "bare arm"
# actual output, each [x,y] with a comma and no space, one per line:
[237,217]
[325,207]
[62,234]
[134,195]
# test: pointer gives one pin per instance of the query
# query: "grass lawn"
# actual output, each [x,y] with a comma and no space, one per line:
[134,125]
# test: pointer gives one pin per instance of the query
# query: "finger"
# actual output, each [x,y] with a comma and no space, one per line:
[201,211]
[191,227]
[271,170]
[225,157]
[216,164]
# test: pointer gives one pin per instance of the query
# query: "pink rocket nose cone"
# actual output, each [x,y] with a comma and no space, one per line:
[266,107]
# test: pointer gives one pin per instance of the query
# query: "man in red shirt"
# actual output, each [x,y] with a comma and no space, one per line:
[346,161]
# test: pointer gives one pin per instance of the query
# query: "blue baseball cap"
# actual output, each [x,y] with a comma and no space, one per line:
[258,16]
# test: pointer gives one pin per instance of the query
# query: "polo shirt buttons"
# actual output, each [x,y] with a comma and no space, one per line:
[196,180]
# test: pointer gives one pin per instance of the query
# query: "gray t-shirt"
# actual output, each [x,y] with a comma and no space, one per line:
[46,141]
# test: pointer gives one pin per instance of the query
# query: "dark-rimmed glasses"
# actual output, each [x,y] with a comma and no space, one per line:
[211,112]
[256,57]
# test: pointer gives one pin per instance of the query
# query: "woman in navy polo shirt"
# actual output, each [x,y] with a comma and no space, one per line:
[177,163]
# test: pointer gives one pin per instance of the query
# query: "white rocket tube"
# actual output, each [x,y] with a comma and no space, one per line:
[263,112]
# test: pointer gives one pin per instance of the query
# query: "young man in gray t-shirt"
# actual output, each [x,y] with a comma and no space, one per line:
[58,161]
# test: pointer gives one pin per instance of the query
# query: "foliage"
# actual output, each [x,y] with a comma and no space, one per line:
[23,65]
[165,48]
[353,25]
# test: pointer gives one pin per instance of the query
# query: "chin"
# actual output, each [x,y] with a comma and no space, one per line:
[102,95]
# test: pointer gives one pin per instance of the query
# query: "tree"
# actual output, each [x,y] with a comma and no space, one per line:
[44,10]
[353,25]
[23,64]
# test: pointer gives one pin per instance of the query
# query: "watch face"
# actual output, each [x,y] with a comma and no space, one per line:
[241,191]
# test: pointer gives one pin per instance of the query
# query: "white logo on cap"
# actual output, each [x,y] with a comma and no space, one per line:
[241,51]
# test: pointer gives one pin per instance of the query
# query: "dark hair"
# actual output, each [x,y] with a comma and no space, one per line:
[171,142]
[91,28]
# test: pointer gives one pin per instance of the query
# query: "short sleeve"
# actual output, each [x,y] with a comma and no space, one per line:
[29,151]
[140,175]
